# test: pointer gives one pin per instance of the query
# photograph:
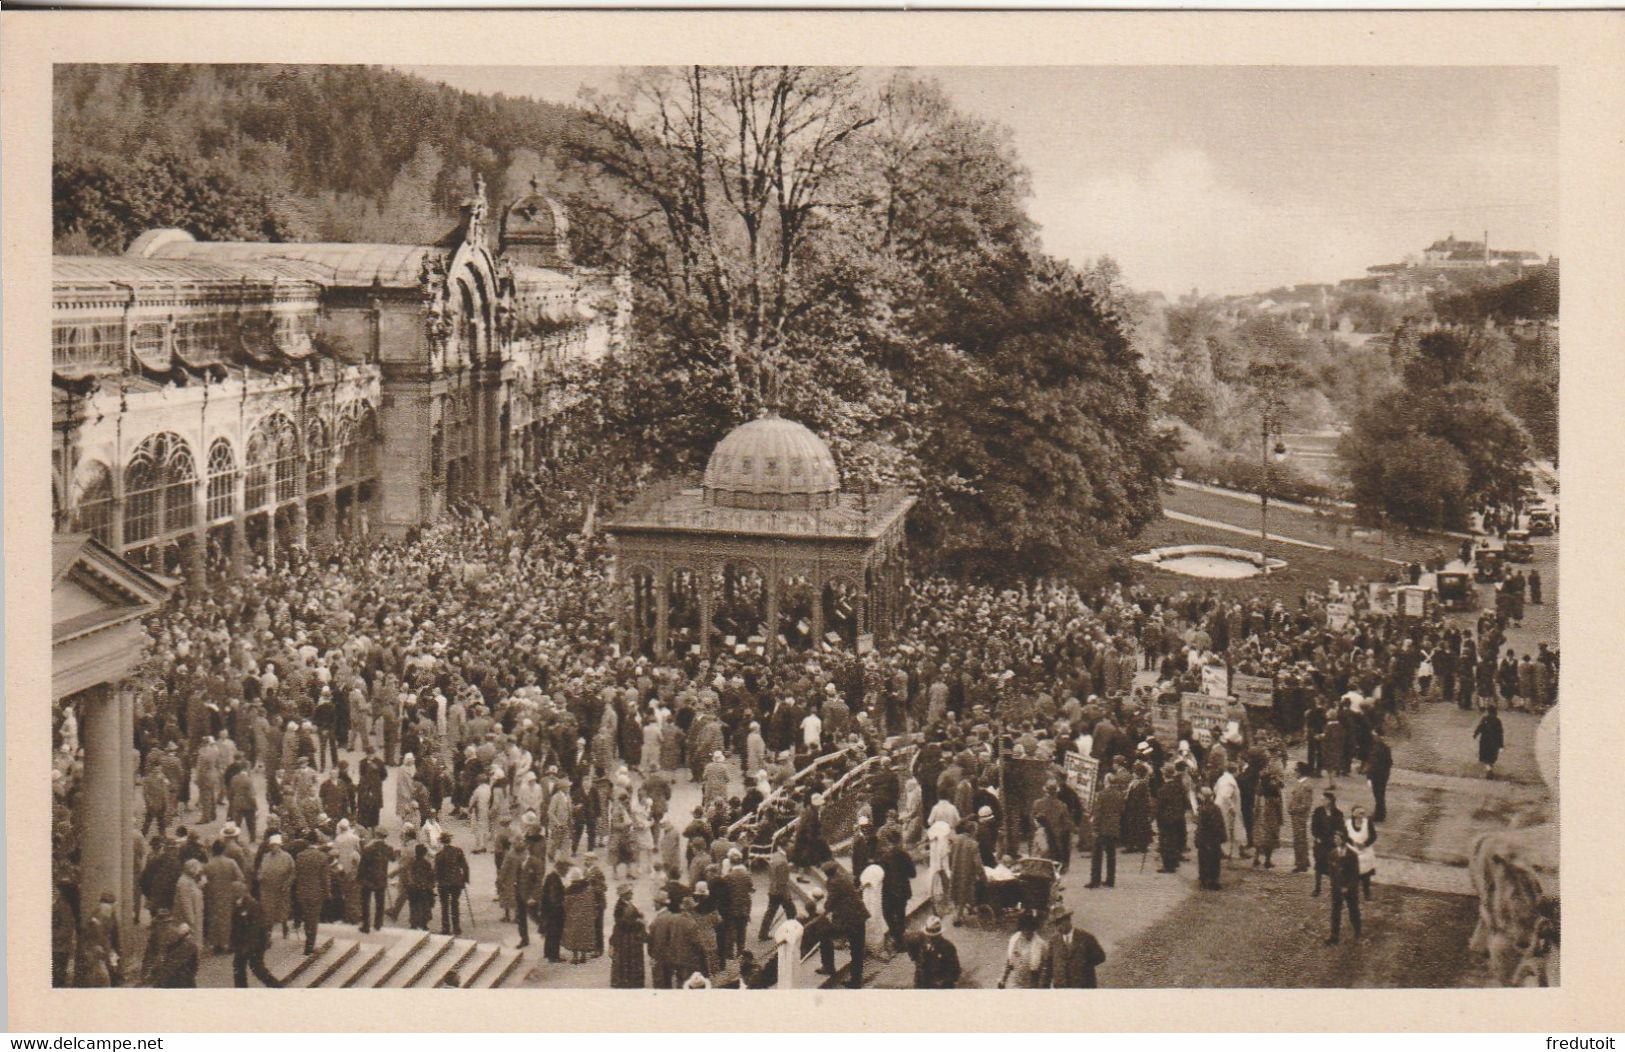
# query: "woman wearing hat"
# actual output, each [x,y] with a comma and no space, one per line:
[580,909]
[626,942]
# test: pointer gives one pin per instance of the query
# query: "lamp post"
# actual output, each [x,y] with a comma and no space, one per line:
[1269,425]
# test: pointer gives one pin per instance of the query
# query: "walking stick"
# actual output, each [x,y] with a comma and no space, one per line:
[470,900]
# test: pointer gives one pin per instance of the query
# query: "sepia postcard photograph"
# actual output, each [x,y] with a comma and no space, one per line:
[607,519]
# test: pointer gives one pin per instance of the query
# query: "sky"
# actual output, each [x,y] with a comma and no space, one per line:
[1241,179]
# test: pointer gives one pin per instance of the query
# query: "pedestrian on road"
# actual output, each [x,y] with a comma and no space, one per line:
[1108,829]
[1324,824]
[936,960]
[1074,954]
[1378,766]
[1025,956]
[1300,801]
[1362,838]
[1343,866]
[1210,838]
[250,937]
[1491,739]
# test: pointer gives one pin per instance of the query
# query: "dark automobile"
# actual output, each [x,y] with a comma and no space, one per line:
[1518,549]
[1542,522]
[1456,590]
[1488,564]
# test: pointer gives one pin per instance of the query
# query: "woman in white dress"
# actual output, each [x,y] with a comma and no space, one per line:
[1362,835]
[870,880]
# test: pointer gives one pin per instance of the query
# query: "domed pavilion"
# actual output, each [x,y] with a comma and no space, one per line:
[767,552]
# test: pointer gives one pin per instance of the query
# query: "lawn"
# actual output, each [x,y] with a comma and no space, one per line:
[1306,568]
[1333,526]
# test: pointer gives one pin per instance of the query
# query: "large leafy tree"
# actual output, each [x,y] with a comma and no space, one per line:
[1047,442]
[859,257]
[1447,410]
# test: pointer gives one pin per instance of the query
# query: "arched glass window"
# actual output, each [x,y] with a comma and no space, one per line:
[318,457]
[272,468]
[180,489]
[160,488]
[357,442]
[93,501]
[287,464]
[222,499]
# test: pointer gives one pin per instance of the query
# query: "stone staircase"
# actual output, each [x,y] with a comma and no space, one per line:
[393,958]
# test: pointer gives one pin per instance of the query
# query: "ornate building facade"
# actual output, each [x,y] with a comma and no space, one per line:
[215,402]
[767,551]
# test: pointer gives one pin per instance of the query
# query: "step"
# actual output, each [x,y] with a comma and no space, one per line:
[364,963]
[488,960]
[431,955]
[511,963]
[456,959]
[307,961]
[344,950]
[405,948]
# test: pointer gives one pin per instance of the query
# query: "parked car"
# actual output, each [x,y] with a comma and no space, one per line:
[1517,547]
[1455,589]
[1542,522]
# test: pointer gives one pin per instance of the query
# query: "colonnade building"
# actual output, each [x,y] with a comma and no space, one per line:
[218,402]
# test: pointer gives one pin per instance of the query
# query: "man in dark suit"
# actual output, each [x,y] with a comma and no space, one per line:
[372,874]
[1326,821]
[312,883]
[551,910]
[1108,821]
[1171,820]
[1378,766]
[1343,865]
[848,915]
[450,877]
[1210,838]
[1072,957]
[936,960]
[528,886]
[250,937]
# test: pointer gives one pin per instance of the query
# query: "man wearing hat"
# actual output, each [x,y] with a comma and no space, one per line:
[250,938]
[451,877]
[1072,956]
[372,874]
[1210,838]
[1171,806]
[936,960]
[848,916]
[312,883]
[1108,829]
[1326,822]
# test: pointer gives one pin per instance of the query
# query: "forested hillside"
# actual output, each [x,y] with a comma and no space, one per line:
[347,153]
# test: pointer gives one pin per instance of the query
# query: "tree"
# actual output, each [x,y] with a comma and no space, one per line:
[1048,444]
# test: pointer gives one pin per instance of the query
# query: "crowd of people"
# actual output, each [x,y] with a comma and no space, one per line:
[328,720]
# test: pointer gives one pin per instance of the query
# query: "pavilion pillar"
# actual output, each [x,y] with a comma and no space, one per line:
[105,804]
[270,538]
[197,559]
[130,761]
[301,526]
[237,539]
[771,583]
[662,613]
[634,635]
[705,610]
[818,610]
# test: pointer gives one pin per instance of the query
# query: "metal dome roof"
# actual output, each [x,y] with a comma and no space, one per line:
[771,462]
